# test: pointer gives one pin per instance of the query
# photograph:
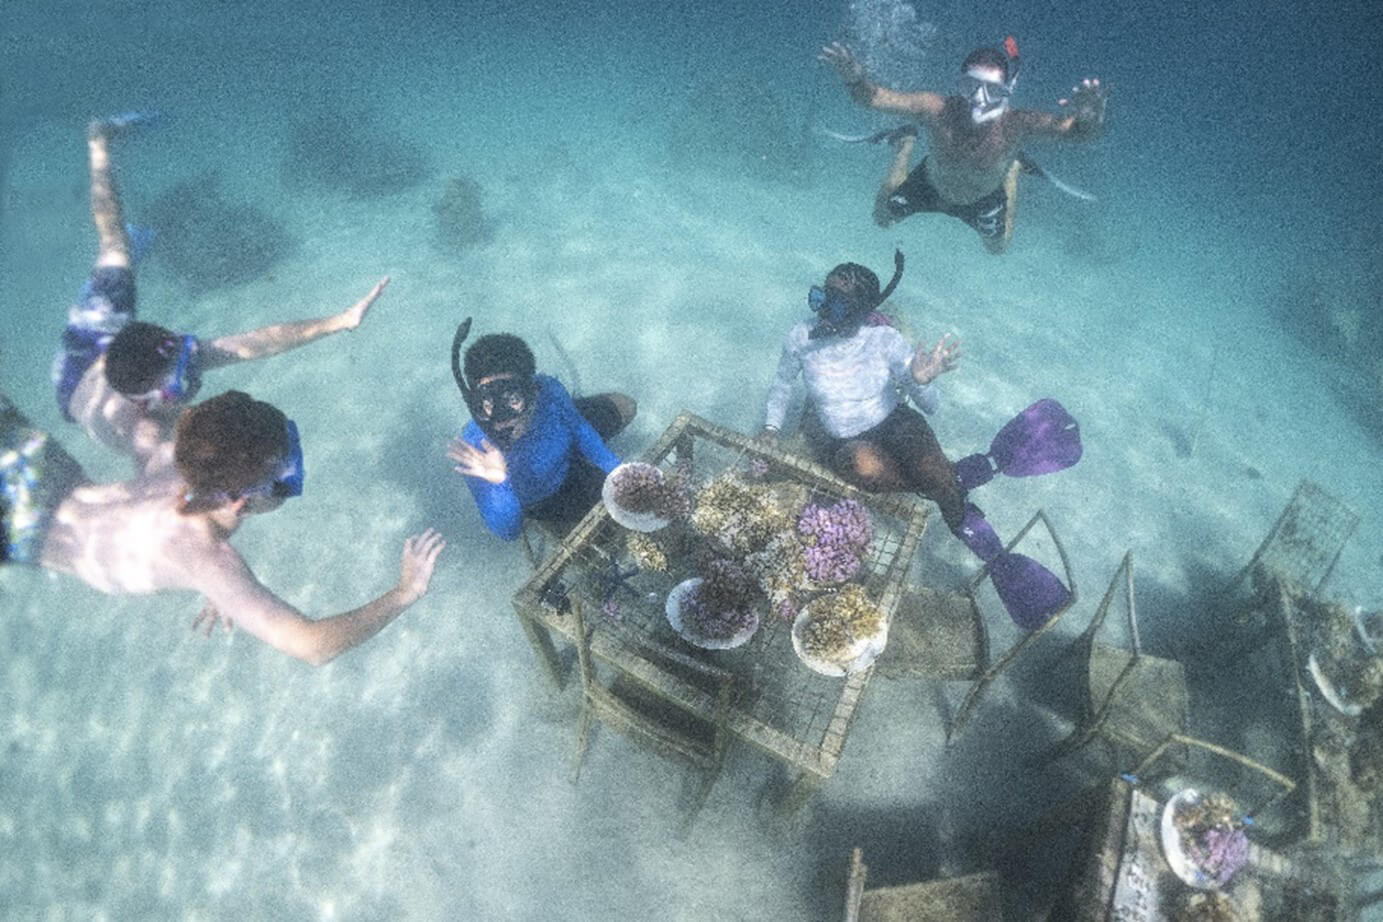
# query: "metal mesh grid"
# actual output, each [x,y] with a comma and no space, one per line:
[627,604]
[1307,539]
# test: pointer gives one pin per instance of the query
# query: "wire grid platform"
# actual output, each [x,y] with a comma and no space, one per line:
[778,704]
[1337,814]
[1305,542]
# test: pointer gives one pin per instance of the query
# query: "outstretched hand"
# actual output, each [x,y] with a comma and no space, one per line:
[354,315]
[419,558]
[486,462]
[1087,101]
[843,60]
[928,365]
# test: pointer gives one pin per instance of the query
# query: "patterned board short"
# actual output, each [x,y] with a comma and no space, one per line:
[104,306]
[36,473]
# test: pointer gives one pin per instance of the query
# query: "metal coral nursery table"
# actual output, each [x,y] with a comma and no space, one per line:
[794,715]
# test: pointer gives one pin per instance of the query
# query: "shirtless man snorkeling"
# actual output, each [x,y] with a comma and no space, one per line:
[170,528]
[124,381]
[974,140]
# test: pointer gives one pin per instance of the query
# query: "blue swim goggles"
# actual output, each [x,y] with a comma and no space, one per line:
[183,382]
[832,306]
[287,481]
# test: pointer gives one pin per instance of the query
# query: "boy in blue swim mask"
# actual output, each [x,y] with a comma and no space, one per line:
[123,381]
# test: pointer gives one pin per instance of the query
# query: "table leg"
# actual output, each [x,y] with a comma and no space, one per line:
[541,639]
[799,792]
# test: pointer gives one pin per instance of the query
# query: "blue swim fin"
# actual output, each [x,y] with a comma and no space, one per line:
[125,122]
[141,240]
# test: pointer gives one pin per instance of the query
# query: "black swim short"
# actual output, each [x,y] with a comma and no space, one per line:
[917,194]
[581,490]
[105,305]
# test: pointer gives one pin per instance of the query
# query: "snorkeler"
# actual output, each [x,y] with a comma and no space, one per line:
[529,449]
[123,381]
[856,367]
[170,528]
[974,140]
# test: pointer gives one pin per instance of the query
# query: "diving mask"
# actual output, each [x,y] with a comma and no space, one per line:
[830,304]
[988,97]
[503,399]
[184,379]
[287,479]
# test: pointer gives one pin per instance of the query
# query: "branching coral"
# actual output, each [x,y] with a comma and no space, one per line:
[1212,836]
[836,538]
[1342,656]
[646,551]
[739,517]
[780,570]
[721,606]
[839,623]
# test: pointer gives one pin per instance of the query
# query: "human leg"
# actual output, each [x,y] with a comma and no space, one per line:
[998,241]
[897,175]
[608,413]
[578,493]
[106,213]
[907,439]
[901,453]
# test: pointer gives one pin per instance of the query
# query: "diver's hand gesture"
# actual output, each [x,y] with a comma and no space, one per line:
[419,558]
[1087,102]
[485,462]
[843,60]
[927,365]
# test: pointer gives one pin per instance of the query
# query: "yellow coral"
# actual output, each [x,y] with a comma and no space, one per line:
[646,552]
[837,622]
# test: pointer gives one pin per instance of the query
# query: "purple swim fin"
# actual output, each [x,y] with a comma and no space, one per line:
[1031,593]
[1042,439]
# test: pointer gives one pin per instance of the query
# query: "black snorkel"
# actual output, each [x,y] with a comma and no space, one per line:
[893,282]
[463,330]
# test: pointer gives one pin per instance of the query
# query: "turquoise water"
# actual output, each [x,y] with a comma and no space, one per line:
[658,200]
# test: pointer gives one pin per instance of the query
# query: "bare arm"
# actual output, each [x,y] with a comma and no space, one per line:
[233,593]
[280,337]
[924,105]
[1081,120]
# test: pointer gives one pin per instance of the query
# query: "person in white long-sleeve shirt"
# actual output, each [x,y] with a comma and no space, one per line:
[857,369]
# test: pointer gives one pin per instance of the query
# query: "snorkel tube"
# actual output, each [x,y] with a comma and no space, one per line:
[893,282]
[463,329]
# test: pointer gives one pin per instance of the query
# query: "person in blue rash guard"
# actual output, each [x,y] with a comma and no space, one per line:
[530,450]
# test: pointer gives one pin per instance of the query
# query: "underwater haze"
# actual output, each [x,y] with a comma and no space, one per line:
[650,186]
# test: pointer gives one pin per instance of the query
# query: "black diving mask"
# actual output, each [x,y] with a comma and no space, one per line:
[495,404]
[503,399]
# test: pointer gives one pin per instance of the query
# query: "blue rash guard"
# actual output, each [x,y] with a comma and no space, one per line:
[540,461]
